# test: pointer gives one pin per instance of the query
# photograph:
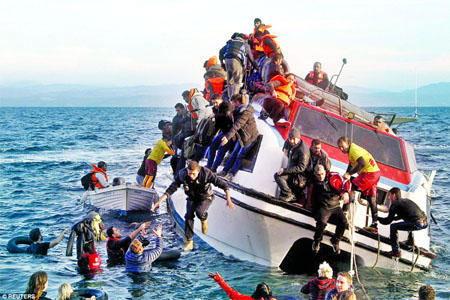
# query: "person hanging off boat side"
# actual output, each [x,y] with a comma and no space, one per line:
[378,123]
[411,214]
[362,163]
[196,181]
[97,178]
[155,158]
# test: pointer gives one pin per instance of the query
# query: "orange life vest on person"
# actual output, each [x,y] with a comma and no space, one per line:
[256,45]
[285,92]
[217,86]
[383,128]
[267,50]
[190,107]
[319,77]
[94,177]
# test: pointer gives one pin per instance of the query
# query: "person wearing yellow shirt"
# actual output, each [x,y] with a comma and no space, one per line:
[362,163]
[155,158]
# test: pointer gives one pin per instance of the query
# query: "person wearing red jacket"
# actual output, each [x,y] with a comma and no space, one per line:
[319,287]
[262,292]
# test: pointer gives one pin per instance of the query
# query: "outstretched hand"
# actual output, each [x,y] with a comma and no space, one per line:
[211,274]
[158,230]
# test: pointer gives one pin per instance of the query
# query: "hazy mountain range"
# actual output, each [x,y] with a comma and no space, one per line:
[67,95]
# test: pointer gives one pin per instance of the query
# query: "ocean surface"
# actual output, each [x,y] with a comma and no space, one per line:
[45,151]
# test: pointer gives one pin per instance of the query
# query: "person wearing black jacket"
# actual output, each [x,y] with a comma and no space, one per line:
[183,126]
[196,182]
[293,176]
[141,172]
[408,211]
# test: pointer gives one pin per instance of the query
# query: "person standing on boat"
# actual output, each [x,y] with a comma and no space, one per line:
[363,163]
[197,182]
[408,211]
[141,172]
[318,77]
[155,158]
[292,179]
[328,190]
[182,127]
[244,128]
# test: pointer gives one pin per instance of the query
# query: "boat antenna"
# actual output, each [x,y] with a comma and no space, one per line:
[331,86]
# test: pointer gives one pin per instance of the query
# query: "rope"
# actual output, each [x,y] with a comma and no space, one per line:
[378,252]
[417,258]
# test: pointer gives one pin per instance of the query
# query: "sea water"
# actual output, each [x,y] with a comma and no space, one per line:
[45,151]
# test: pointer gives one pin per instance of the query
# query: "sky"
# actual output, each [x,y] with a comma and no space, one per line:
[389,45]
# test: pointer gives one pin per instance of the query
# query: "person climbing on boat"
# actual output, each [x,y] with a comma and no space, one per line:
[97,178]
[258,50]
[319,286]
[273,68]
[138,259]
[292,179]
[244,128]
[97,225]
[117,245]
[213,69]
[37,286]
[328,190]
[362,163]
[196,181]
[141,172]
[426,292]
[198,106]
[270,48]
[234,57]
[183,126]
[155,158]
[378,123]
[343,289]
[38,247]
[413,218]
[262,291]
[318,77]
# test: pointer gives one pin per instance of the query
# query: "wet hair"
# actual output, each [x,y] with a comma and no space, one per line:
[110,232]
[36,284]
[237,97]
[347,276]
[315,142]
[343,139]
[136,246]
[35,234]
[193,165]
[325,270]
[65,291]
[262,291]
[180,105]
[396,191]
[426,292]
[101,164]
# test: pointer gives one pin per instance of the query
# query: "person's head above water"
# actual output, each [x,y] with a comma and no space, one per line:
[263,290]
[35,235]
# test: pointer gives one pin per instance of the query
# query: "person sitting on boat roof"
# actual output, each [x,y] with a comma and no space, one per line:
[270,48]
[262,291]
[38,247]
[408,211]
[273,68]
[258,50]
[155,158]
[363,163]
[117,246]
[277,107]
[244,128]
[378,123]
[328,190]
[343,289]
[318,77]
[183,126]
[321,285]
[141,172]
[197,182]
[291,180]
[138,259]
[426,292]
[234,57]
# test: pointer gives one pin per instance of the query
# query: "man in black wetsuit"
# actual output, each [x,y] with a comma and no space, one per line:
[116,246]
[408,211]
[42,248]
[196,182]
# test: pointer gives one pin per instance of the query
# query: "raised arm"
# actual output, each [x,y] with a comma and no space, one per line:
[58,239]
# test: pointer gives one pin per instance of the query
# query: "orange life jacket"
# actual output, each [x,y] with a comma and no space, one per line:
[217,86]
[284,92]
[94,177]
[190,107]
[319,77]
[267,50]
[383,128]
[256,45]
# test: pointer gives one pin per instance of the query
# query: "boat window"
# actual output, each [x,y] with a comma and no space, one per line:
[411,156]
[318,125]
[384,148]
[249,161]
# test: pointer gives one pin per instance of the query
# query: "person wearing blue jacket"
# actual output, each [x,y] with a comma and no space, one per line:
[140,260]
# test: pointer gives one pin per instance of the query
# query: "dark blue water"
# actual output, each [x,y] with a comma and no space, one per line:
[45,151]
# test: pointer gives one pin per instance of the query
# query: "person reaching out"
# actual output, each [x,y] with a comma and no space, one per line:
[155,158]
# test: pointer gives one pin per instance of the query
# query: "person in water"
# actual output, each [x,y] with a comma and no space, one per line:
[362,163]
[318,77]
[426,292]
[100,178]
[196,181]
[262,291]
[117,245]
[37,286]
[343,289]
[141,172]
[321,285]
[155,158]
[38,247]
[65,292]
[138,259]
[413,218]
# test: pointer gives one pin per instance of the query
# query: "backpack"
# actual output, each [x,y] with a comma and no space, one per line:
[165,127]
[86,181]
[338,182]
[205,132]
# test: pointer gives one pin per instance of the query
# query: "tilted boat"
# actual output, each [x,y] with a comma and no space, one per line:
[273,233]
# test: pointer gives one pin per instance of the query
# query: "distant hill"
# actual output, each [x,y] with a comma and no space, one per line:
[66,95]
